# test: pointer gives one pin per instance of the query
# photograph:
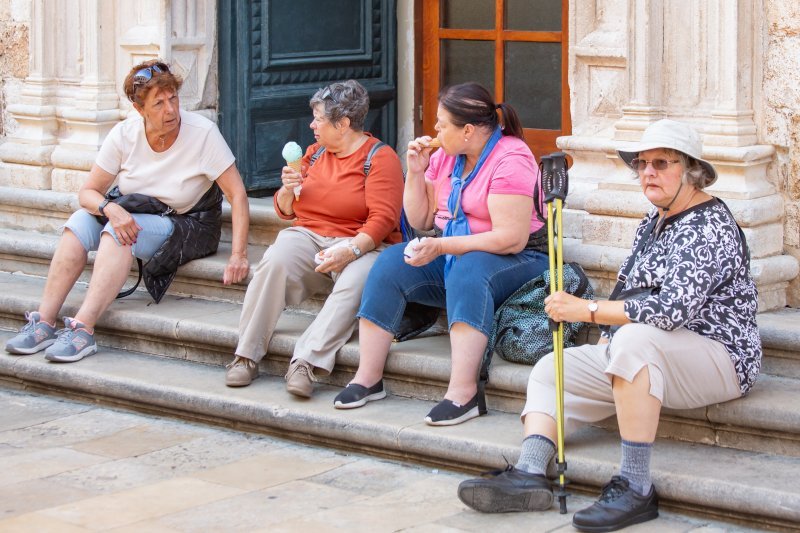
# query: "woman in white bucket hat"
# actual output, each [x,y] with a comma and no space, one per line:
[679,331]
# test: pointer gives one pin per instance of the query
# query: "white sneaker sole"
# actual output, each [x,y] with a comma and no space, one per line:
[469,415]
[86,352]
[363,401]
[30,351]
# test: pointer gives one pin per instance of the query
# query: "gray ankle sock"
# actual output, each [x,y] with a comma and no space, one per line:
[635,465]
[537,452]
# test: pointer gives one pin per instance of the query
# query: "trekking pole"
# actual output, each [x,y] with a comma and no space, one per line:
[555,183]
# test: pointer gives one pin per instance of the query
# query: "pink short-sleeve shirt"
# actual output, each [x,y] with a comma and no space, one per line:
[510,169]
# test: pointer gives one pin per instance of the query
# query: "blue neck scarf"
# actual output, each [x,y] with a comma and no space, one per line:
[458,223]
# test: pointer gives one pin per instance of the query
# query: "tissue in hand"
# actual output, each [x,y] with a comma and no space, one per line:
[318,256]
[409,249]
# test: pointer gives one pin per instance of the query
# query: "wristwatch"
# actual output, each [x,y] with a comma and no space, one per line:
[102,206]
[356,250]
[593,306]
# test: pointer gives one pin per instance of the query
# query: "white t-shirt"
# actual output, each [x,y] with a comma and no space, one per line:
[178,176]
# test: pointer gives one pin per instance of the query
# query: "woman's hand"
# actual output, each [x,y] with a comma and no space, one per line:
[237,268]
[125,227]
[426,251]
[334,259]
[564,307]
[291,179]
[418,155]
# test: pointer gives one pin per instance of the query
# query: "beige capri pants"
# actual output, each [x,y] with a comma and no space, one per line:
[686,370]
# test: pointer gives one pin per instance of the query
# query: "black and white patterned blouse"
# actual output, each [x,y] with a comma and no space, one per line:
[701,269]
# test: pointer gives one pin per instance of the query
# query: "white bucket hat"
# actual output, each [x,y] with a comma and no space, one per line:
[670,134]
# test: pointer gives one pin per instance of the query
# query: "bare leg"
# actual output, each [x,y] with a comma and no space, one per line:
[111,268]
[637,410]
[540,424]
[374,343]
[65,269]
[467,345]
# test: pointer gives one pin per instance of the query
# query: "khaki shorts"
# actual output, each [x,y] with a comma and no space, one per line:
[686,370]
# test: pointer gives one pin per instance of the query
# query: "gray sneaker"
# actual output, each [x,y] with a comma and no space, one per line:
[73,344]
[32,337]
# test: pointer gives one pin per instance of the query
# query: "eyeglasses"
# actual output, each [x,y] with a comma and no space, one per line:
[144,75]
[327,93]
[658,164]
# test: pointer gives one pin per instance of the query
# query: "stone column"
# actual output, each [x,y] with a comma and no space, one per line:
[691,61]
[25,156]
[95,108]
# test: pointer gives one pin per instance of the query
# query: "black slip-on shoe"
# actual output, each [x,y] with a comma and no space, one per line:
[619,506]
[449,413]
[357,395]
[507,491]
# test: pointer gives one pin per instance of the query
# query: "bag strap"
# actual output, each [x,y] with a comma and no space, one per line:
[367,162]
[623,276]
[316,156]
[128,292]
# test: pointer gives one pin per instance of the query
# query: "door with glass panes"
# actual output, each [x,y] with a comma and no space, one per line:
[516,48]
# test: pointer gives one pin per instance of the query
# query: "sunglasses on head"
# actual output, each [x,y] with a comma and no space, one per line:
[327,93]
[658,164]
[146,74]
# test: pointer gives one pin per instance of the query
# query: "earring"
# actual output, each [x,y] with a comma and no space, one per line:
[466,140]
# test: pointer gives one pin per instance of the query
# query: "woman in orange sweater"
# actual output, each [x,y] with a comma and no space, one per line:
[342,219]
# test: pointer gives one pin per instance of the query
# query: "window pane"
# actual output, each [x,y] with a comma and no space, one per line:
[533,83]
[464,61]
[542,15]
[468,14]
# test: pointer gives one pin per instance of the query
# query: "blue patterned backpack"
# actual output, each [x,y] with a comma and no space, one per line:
[521,332]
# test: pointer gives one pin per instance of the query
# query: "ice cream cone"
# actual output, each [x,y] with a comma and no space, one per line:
[435,143]
[296,166]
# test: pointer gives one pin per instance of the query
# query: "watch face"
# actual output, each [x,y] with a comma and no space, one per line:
[593,306]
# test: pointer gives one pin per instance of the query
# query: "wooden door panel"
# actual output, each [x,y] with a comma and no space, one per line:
[515,48]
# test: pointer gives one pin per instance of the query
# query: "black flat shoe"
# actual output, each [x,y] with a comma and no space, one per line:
[357,395]
[448,413]
[507,491]
[619,506]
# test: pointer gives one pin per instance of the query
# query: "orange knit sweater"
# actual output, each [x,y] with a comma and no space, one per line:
[336,200]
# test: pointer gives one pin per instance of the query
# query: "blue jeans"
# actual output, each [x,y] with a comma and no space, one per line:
[479,283]
[155,230]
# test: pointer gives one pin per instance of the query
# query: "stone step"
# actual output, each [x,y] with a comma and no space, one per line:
[205,331]
[45,211]
[758,489]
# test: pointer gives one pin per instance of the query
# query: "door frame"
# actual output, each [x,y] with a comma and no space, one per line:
[428,35]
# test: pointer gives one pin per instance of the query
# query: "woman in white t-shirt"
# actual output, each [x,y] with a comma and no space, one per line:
[175,157]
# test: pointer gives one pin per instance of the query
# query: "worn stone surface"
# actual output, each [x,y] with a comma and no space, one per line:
[257,484]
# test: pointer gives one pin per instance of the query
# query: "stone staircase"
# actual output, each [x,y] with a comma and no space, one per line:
[738,461]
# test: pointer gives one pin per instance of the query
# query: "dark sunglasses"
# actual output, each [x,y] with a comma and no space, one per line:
[658,164]
[146,74]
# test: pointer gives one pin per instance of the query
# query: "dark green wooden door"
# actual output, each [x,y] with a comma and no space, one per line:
[273,55]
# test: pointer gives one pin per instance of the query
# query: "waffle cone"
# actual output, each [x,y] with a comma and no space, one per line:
[435,143]
[295,165]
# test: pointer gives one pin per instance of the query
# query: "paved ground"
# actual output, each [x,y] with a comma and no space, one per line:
[67,466]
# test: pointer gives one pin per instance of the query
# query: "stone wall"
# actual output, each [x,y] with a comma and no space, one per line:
[780,116]
[14,25]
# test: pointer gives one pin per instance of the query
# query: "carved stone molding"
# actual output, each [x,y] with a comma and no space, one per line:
[691,61]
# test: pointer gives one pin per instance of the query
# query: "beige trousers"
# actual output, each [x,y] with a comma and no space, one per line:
[285,276]
[686,371]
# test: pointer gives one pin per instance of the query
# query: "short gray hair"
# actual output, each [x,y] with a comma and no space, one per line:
[346,99]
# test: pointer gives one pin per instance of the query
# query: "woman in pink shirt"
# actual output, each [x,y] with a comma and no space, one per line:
[476,192]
